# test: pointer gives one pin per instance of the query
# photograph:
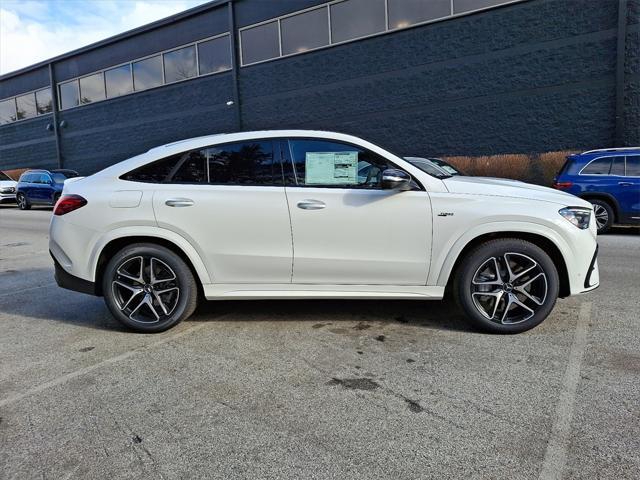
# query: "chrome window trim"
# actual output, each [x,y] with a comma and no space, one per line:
[15,104]
[131,62]
[332,43]
[603,174]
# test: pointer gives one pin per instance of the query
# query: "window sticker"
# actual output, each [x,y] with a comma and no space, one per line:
[331,168]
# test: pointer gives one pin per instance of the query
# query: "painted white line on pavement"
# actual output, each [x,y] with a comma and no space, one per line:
[77,373]
[555,456]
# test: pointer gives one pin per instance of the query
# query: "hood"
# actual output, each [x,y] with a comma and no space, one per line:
[7,183]
[502,187]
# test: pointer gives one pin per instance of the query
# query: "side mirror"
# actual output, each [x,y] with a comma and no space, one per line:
[394,179]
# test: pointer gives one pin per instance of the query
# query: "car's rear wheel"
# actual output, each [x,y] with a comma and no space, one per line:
[506,286]
[149,288]
[23,203]
[603,213]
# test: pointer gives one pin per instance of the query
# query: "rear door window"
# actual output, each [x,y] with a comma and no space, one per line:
[633,166]
[617,166]
[599,166]
[243,163]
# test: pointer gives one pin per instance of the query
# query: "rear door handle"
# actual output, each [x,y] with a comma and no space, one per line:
[179,202]
[311,205]
[625,184]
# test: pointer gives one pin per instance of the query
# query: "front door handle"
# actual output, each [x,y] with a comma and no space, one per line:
[625,184]
[311,205]
[179,202]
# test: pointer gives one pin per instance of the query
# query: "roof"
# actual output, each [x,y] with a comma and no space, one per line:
[121,36]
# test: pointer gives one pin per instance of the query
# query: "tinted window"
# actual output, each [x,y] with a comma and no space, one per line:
[243,163]
[7,111]
[260,43]
[156,172]
[58,177]
[26,105]
[4,176]
[599,166]
[214,55]
[617,166]
[305,31]
[92,88]
[356,18]
[334,164]
[180,64]
[69,95]
[43,101]
[633,166]
[191,168]
[403,13]
[460,6]
[147,73]
[118,81]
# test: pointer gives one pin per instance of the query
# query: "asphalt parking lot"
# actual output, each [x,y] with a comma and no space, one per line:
[322,389]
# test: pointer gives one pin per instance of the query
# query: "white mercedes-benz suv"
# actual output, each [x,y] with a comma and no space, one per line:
[309,214]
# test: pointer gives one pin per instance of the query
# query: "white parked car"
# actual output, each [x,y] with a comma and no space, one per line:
[286,214]
[7,189]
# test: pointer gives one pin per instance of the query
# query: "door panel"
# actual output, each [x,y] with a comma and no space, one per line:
[629,190]
[366,237]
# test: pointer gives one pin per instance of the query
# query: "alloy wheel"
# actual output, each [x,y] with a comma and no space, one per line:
[601,214]
[509,289]
[145,289]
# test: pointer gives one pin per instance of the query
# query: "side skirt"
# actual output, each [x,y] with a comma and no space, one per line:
[238,291]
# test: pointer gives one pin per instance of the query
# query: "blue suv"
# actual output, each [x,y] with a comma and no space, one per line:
[609,179]
[41,187]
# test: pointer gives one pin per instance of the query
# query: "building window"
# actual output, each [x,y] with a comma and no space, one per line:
[214,55]
[92,88]
[43,101]
[69,95]
[461,6]
[118,81]
[260,43]
[305,31]
[180,64]
[357,18]
[7,111]
[147,73]
[26,106]
[403,13]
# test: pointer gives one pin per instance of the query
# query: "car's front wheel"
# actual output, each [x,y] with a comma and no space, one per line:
[506,285]
[23,203]
[603,213]
[149,288]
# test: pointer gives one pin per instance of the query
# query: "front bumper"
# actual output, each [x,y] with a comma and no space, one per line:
[592,278]
[65,280]
[7,198]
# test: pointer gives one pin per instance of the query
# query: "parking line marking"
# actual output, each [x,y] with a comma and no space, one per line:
[77,373]
[555,456]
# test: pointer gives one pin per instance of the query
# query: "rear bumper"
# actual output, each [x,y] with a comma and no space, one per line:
[65,280]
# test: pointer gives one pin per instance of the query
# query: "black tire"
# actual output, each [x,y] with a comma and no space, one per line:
[475,275]
[604,214]
[177,305]
[23,203]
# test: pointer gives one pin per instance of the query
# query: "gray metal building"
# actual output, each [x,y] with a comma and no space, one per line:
[421,77]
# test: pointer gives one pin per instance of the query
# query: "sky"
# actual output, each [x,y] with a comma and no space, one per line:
[35,30]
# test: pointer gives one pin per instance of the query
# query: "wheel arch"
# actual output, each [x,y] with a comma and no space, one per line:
[179,246]
[537,239]
[607,197]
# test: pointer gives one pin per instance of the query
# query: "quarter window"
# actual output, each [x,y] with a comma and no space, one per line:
[305,31]
[69,95]
[243,163]
[633,166]
[147,73]
[260,43]
[356,18]
[26,106]
[599,166]
[324,163]
[7,111]
[118,81]
[214,55]
[403,13]
[92,88]
[180,64]
[43,101]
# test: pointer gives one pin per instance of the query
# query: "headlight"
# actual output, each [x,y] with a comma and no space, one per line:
[577,215]
[7,190]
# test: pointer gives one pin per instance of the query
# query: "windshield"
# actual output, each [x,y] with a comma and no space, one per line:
[447,167]
[4,176]
[66,173]
[427,167]
[59,177]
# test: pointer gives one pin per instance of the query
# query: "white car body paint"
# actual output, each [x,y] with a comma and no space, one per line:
[253,242]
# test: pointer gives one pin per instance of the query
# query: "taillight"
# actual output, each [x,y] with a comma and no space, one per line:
[69,203]
[562,185]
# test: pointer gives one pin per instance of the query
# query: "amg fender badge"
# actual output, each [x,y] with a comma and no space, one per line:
[445,214]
